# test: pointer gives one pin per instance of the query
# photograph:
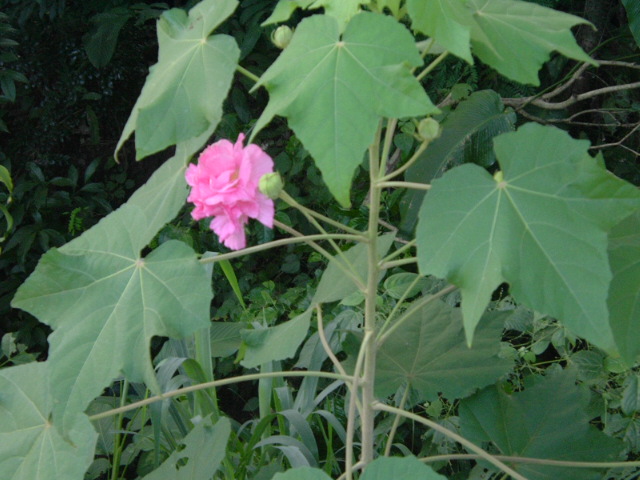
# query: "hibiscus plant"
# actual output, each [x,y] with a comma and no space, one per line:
[534,212]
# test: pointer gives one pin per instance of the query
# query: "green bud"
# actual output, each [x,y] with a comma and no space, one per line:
[428,129]
[498,176]
[271,185]
[281,36]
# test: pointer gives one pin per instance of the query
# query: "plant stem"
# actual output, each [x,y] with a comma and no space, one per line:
[346,268]
[117,444]
[202,341]
[288,199]
[466,443]
[218,383]
[388,141]
[247,74]
[529,460]
[279,243]
[396,422]
[432,65]
[414,185]
[398,263]
[399,251]
[423,146]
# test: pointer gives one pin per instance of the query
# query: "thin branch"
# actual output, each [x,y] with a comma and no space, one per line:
[218,383]
[414,185]
[618,143]
[529,460]
[445,431]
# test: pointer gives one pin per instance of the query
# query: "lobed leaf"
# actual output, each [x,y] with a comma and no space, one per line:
[183,94]
[105,301]
[30,448]
[430,354]
[405,468]
[312,84]
[546,420]
[541,225]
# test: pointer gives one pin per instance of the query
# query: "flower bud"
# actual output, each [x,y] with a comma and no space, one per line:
[281,36]
[271,185]
[428,129]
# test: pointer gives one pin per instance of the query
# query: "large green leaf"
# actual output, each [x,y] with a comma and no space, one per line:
[516,37]
[448,22]
[335,284]
[324,84]
[541,225]
[430,354]
[624,292]
[546,420]
[105,301]
[183,94]
[30,448]
[467,136]
[396,468]
[633,14]
[198,455]
[302,473]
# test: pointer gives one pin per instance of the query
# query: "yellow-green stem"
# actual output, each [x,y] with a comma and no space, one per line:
[529,460]
[248,74]
[432,65]
[396,421]
[413,185]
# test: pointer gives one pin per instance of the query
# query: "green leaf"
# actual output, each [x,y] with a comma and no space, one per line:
[448,22]
[5,178]
[430,353]
[398,284]
[183,94]
[302,473]
[631,395]
[392,5]
[225,338]
[633,14]
[30,448]
[517,38]
[105,301]
[101,42]
[275,343]
[341,10]
[467,136]
[624,291]
[335,284]
[198,455]
[396,468]
[541,225]
[312,84]
[546,420]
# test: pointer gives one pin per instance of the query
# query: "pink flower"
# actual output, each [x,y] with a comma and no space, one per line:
[224,185]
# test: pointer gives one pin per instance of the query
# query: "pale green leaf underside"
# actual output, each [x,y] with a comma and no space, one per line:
[325,85]
[546,420]
[105,302]
[30,447]
[517,38]
[275,343]
[202,452]
[341,10]
[183,94]
[430,354]
[543,229]
[446,21]
[624,292]
[396,468]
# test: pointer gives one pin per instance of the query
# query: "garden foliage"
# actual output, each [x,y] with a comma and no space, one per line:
[495,206]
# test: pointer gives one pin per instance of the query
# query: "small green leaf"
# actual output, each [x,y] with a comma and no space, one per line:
[5,178]
[199,454]
[448,22]
[624,291]
[275,343]
[546,420]
[396,468]
[516,37]
[398,284]
[335,284]
[543,229]
[631,395]
[31,448]
[101,42]
[430,353]
[311,84]
[341,10]
[183,94]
